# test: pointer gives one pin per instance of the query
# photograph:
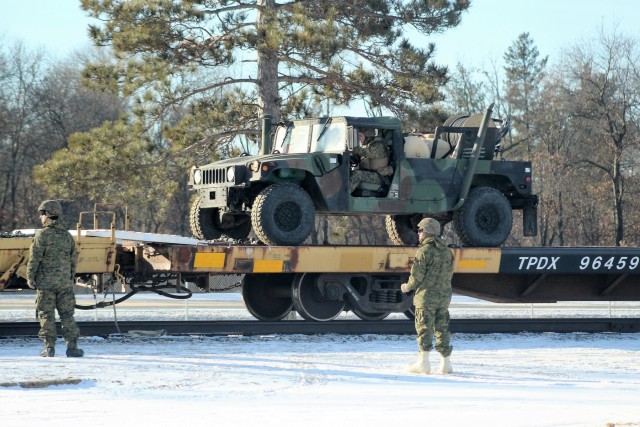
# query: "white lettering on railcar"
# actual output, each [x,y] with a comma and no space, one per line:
[538,263]
[609,263]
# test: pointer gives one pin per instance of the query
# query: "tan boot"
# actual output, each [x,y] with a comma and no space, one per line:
[422,364]
[48,352]
[49,348]
[445,365]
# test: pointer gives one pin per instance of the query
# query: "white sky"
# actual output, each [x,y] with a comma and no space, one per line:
[486,31]
[491,26]
[488,28]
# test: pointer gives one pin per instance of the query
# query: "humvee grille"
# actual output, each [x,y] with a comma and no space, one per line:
[214,176]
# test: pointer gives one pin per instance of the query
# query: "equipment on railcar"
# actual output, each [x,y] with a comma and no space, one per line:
[308,166]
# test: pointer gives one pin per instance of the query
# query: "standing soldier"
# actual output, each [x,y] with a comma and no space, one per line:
[51,270]
[431,279]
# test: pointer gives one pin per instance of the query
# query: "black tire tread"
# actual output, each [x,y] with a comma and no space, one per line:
[472,237]
[260,203]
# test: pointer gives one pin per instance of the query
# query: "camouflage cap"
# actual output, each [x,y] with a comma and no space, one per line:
[368,132]
[429,226]
[51,208]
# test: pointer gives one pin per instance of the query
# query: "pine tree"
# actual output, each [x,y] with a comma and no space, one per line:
[199,74]
[230,62]
[524,73]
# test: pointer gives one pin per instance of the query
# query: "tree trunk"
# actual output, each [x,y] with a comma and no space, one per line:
[560,220]
[618,193]
[268,93]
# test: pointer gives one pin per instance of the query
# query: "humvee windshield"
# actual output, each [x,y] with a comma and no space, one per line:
[311,138]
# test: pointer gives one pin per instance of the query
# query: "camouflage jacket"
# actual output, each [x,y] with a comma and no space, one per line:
[431,271]
[374,155]
[53,259]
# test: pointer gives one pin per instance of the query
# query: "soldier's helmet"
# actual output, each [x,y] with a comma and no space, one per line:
[429,226]
[51,208]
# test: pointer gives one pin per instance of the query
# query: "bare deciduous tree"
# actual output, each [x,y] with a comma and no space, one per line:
[605,97]
[41,105]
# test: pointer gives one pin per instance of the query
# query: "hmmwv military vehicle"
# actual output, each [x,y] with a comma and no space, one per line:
[304,168]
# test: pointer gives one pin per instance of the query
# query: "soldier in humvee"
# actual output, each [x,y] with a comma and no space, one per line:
[372,161]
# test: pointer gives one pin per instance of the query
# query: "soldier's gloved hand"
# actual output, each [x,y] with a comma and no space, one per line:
[404,288]
[31,284]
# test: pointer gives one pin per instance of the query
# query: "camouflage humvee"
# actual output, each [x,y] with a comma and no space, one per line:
[305,165]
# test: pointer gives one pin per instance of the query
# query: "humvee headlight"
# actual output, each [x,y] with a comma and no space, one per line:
[231,174]
[197,176]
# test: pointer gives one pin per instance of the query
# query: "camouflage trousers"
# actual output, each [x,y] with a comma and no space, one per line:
[434,318]
[358,176]
[47,302]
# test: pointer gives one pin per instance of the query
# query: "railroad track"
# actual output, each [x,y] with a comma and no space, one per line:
[353,327]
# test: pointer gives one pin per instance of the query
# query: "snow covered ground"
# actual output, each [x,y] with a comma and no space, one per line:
[326,380]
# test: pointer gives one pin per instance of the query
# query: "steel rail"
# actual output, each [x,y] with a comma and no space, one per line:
[345,327]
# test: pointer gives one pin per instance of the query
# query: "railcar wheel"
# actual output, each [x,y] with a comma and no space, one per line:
[371,317]
[311,303]
[283,214]
[485,219]
[267,296]
[206,223]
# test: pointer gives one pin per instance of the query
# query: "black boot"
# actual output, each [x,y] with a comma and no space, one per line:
[73,350]
[48,352]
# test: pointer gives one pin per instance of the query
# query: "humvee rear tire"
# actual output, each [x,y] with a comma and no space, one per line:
[485,219]
[205,224]
[402,229]
[283,214]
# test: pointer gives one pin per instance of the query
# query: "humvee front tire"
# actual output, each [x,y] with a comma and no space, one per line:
[205,224]
[283,214]
[485,219]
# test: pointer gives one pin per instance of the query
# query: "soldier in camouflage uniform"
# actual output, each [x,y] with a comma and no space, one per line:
[51,270]
[431,280]
[374,161]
